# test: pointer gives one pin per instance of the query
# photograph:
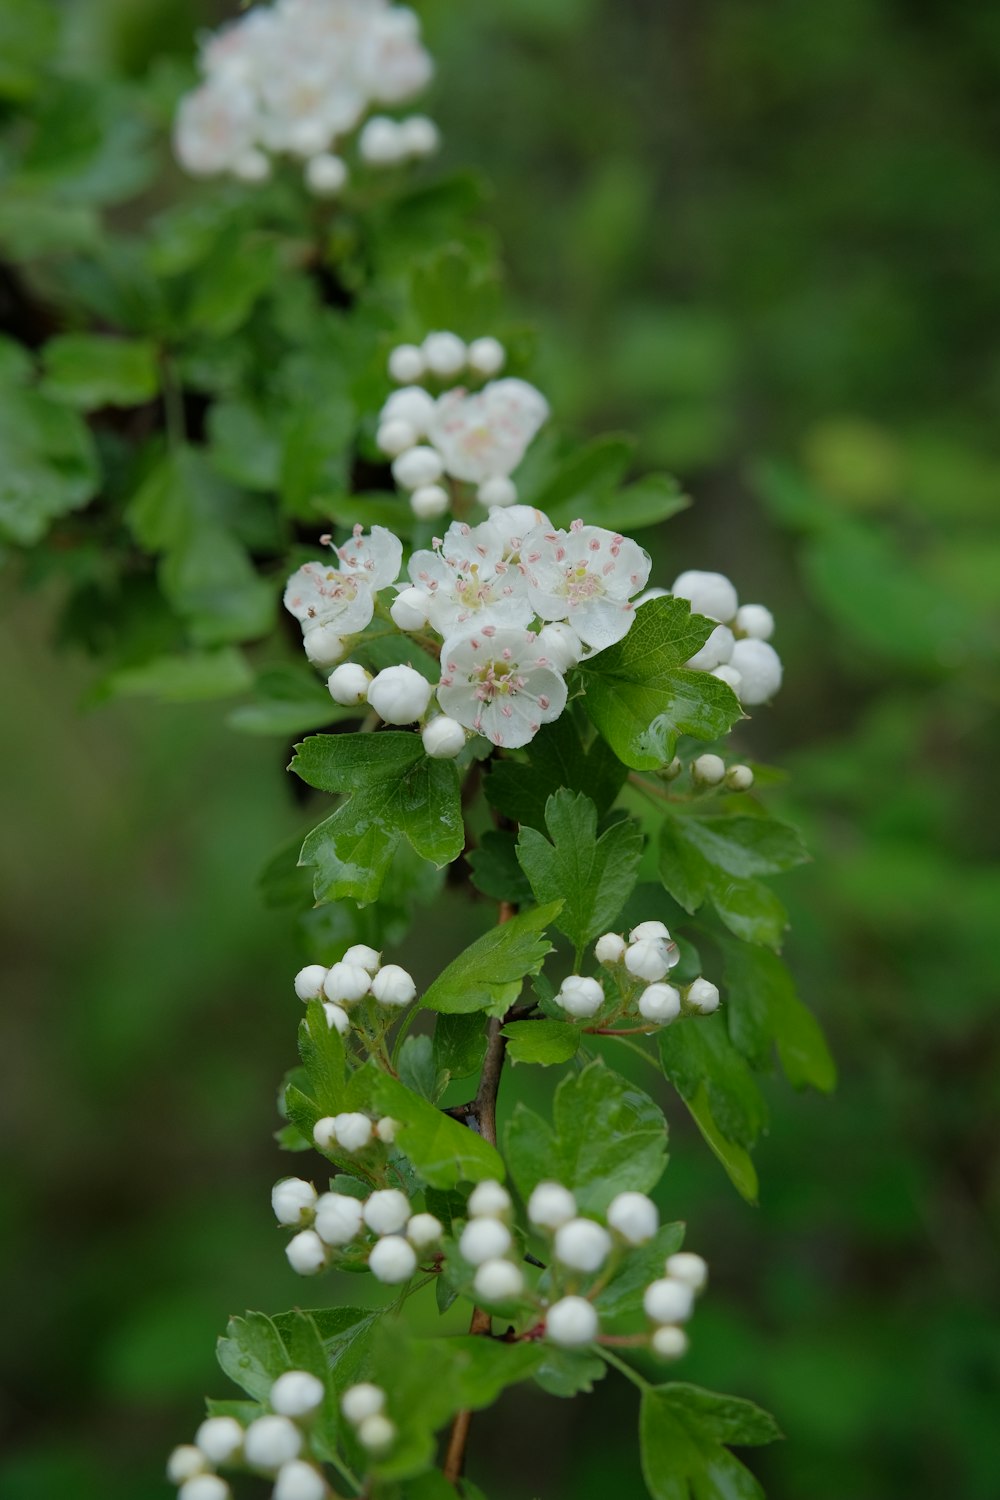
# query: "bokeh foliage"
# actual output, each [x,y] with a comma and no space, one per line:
[764,239]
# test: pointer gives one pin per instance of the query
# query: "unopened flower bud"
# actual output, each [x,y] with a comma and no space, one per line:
[386,1130]
[498,1281]
[204,1487]
[708,770]
[429,501]
[376,1433]
[484,1239]
[634,1216]
[610,949]
[353,1131]
[297,1393]
[387,1211]
[444,354]
[582,1245]
[417,467]
[270,1442]
[346,984]
[409,608]
[551,1205]
[338,1218]
[687,1267]
[184,1463]
[399,695]
[252,166]
[571,1322]
[443,738]
[647,959]
[497,490]
[380,142]
[323,645]
[219,1438]
[326,175]
[739,778]
[348,684]
[392,1260]
[420,136]
[561,645]
[756,621]
[336,1017]
[363,956]
[489,1200]
[668,1301]
[293,1201]
[406,364]
[669,1342]
[759,666]
[728,674]
[716,650]
[423,1231]
[325,1133]
[580,996]
[299,1481]
[309,982]
[710,594]
[660,1003]
[393,986]
[702,996]
[361,1401]
[486,356]
[396,436]
[306,1253]
[655,931]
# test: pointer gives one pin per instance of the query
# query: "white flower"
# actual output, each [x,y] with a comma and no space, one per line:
[484,1239]
[204,1487]
[184,1463]
[489,1200]
[346,983]
[580,996]
[486,356]
[498,492]
[586,576]
[309,982]
[297,1393]
[709,594]
[423,1231]
[348,684]
[500,683]
[306,1253]
[326,174]
[443,738]
[668,1301]
[610,949]
[759,666]
[755,620]
[687,1267]
[400,694]
[392,61]
[634,1216]
[467,581]
[513,523]
[709,769]
[417,468]
[336,1017]
[409,609]
[716,651]
[387,1211]
[498,1281]
[582,1245]
[657,931]
[703,996]
[338,1218]
[487,434]
[342,597]
[647,959]
[299,1481]
[215,126]
[571,1322]
[393,986]
[362,1401]
[376,1433]
[406,364]
[444,354]
[270,1442]
[364,957]
[352,1131]
[219,1438]
[293,1201]
[392,1260]
[660,1003]
[669,1342]
[551,1205]
[739,778]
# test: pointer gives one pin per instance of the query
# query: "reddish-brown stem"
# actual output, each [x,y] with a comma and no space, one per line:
[620,1031]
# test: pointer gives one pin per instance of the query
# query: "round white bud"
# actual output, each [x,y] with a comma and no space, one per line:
[498,1281]
[487,356]
[393,986]
[293,1201]
[687,1267]
[299,1481]
[429,501]
[184,1463]
[669,1342]
[417,467]
[488,1200]
[326,174]
[306,1253]
[580,996]
[323,645]
[336,1018]
[324,1133]
[380,142]
[582,1245]
[756,621]
[668,1301]
[709,770]
[399,695]
[411,404]
[361,1401]
[346,984]
[406,364]
[729,675]
[396,436]
[498,490]
[423,1231]
[308,137]
[610,949]
[561,645]
[270,1442]
[252,166]
[759,666]
[647,959]
[551,1205]
[409,609]
[376,1433]
[386,1130]
[219,1438]
[716,650]
[648,594]
[204,1487]
[484,1239]
[650,931]
[338,1218]
[420,136]
[571,1322]
[348,684]
[634,1216]
[660,1003]
[443,738]
[739,778]
[392,1260]
[444,354]
[703,996]
[297,1393]
[353,1131]
[309,982]
[363,956]
[709,594]
[387,1211]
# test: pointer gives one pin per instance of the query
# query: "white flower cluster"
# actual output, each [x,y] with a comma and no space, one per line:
[486,1242]
[271,1444]
[294,78]
[710,770]
[364,1407]
[641,966]
[473,436]
[381,1229]
[738,650]
[359,975]
[669,1301]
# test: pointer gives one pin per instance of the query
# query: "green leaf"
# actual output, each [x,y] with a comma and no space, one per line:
[589,475]
[716,1083]
[443,1151]
[452,289]
[764,1009]
[641,697]
[647,502]
[191,678]
[544,1042]
[569,1372]
[717,858]
[48,462]
[252,1354]
[395,791]
[287,700]
[606,1136]
[594,876]
[489,974]
[418,1070]
[321,1049]
[90,370]
[459,1044]
[681,1434]
[495,870]
[555,759]
[735,1159]
[627,1287]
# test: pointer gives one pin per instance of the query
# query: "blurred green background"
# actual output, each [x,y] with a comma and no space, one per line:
[766,238]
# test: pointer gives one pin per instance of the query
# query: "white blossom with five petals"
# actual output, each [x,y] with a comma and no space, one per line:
[500,683]
[586,576]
